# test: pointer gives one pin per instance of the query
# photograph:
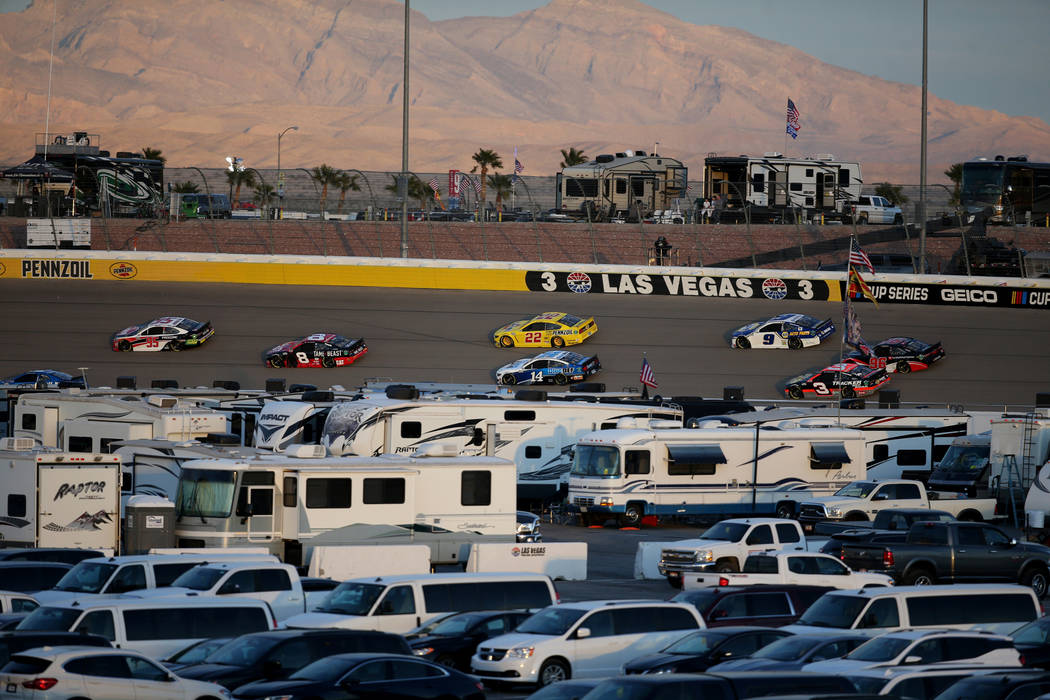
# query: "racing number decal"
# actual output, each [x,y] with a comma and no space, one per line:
[821,388]
[768,338]
[153,342]
[877,362]
[533,336]
[537,376]
[302,358]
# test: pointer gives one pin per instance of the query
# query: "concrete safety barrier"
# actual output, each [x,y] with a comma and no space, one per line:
[342,562]
[646,557]
[564,561]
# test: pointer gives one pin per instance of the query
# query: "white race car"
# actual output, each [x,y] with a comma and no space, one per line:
[793,331]
[167,333]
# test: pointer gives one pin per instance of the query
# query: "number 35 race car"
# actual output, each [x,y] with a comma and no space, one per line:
[552,329]
[846,378]
[317,350]
[793,331]
[556,366]
[167,333]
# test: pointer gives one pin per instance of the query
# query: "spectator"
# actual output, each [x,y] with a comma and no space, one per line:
[717,206]
[706,211]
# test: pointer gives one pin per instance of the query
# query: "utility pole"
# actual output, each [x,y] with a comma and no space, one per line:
[403,184]
[922,153]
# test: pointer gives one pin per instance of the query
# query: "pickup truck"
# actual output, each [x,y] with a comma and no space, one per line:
[889,526]
[955,553]
[872,209]
[799,568]
[861,500]
[724,547]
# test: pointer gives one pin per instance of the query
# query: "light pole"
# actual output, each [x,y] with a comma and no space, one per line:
[922,151]
[280,175]
[403,185]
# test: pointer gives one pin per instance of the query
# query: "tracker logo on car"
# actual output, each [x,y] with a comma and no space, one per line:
[123,270]
[774,288]
[579,282]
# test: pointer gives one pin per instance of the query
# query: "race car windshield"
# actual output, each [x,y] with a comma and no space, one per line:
[858,489]
[187,325]
[808,321]
[341,342]
[596,461]
[570,320]
[725,532]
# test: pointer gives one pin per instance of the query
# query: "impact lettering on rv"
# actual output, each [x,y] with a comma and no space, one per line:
[81,489]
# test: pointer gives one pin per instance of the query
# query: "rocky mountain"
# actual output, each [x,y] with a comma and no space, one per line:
[201,81]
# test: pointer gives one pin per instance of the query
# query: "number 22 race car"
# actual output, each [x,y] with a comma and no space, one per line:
[552,329]
[166,333]
[317,350]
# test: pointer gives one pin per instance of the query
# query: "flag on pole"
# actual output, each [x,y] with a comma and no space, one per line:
[518,167]
[434,185]
[647,378]
[792,119]
[852,323]
[858,288]
[858,258]
[473,183]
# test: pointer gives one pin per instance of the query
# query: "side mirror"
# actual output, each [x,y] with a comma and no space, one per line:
[881,497]
[1013,542]
[170,678]
[583,633]
[912,659]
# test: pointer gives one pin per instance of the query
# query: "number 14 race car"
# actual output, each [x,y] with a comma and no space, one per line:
[317,350]
[166,333]
[847,378]
[558,366]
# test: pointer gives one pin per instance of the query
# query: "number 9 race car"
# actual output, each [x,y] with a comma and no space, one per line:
[167,333]
[846,378]
[793,331]
[558,366]
[317,350]
[551,329]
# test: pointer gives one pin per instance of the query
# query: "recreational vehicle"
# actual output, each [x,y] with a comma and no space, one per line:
[289,504]
[631,182]
[629,473]
[774,187]
[537,435]
[58,499]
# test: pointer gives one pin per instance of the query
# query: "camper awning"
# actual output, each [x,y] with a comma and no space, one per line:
[830,453]
[696,454]
[36,168]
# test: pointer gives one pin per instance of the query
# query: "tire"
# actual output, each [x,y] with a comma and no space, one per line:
[632,515]
[786,510]
[509,380]
[557,342]
[848,392]
[124,346]
[919,577]
[903,367]
[174,346]
[506,341]
[1036,579]
[561,379]
[795,392]
[742,343]
[795,343]
[726,566]
[327,362]
[971,516]
[552,671]
[274,361]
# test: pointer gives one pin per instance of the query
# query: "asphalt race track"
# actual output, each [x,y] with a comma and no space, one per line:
[995,357]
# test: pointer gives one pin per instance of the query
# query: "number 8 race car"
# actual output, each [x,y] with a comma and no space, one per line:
[317,350]
[846,378]
[167,333]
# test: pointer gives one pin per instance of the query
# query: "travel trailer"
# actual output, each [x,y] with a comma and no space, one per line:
[629,472]
[290,503]
[776,187]
[632,182]
[537,434]
[51,498]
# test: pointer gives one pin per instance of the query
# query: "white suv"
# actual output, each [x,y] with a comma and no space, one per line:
[914,647]
[589,639]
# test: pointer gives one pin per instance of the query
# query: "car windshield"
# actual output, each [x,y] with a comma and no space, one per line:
[245,651]
[351,598]
[456,625]
[187,324]
[195,653]
[867,684]
[205,493]
[726,532]
[86,577]
[964,459]
[857,489]
[837,611]
[51,619]
[596,461]
[879,649]
[569,320]
[341,342]
[199,578]
[698,643]
[1037,632]
[552,621]
[326,670]
[787,649]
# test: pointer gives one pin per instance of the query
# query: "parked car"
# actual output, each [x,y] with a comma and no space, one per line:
[765,606]
[69,556]
[368,676]
[1007,685]
[12,602]
[913,647]
[1033,642]
[570,689]
[194,653]
[793,652]
[725,686]
[453,641]
[31,576]
[13,642]
[922,682]
[41,379]
[701,650]
[528,527]
[806,568]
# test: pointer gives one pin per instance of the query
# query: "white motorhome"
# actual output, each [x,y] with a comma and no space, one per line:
[629,473]
[290,504]
[91,422]
[58,499]
[537,435]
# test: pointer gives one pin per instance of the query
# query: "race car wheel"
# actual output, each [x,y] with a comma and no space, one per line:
[795,343]
[328,362]
[509,379]
[848,392]
[506,341]
[124,346]
[903,367]
[743,343]
[795,392]
[561,379]
[274,361]
[557,342]
[174,346]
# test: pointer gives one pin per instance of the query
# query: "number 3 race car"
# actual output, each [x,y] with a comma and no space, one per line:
[167,333]
[846,378]
[793,331]
[558,366]
[901,355]
[552,329]
[317,350]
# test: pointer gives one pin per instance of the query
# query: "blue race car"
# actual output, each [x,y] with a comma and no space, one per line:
[42,379]
[793,331]
[557,366]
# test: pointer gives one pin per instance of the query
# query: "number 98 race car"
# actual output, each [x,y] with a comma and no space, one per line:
[793,331]
[556,366]
[166,333]
[846,378]
[317,350]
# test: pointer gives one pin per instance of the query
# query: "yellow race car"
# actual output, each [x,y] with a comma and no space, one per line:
[552,329]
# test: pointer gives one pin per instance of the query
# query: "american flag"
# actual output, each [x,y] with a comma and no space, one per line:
[433,184]
[518,167]
[473,183]
[792,119]
[858,258]
[647,378]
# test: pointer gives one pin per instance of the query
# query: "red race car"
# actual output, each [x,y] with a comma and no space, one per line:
[847,378]
[317,350]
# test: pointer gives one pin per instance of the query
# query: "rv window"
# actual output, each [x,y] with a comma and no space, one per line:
[476,488]
[106,445]
[809,201]
[16,505]
[637,186]
[880,453]
[411,429]
[235,424]
[291,492]
[328,493]
[257,479]
[911,458]
[796,186]
[843,177]
[533,451]
[575,187]
[691,460]
[828,455]
[605,188]
[621,186]
[636,462]
[28,421]
[519,415]
[809,172]
[79,443]
[384,491]
[758,182]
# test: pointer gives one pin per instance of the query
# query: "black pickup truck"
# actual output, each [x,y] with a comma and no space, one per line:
[955,552]
[889,527]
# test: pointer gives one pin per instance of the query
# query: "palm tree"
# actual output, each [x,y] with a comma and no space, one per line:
[346,182]
[416,190]
[326,176]
[264,196]
[954,174]
[502,186]
[237,178]
[485,159]
[153,154]
[187,187]
[572,157]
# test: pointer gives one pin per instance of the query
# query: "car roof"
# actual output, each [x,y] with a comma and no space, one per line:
[173,601]
[446,576]
[245,564]
[935,590]
[924,669]
[22,563]
[916,634]
[58,653]
[595,604]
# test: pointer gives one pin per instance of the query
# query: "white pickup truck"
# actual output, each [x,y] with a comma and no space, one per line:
[803,568]
[872,209]
[861,500]
[724,547]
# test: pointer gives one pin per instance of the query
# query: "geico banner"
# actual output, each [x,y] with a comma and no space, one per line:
[739,287]
[957,295]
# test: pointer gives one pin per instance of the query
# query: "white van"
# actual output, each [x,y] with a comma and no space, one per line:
[590,639]
[871,611]
[157,627]
[401,603]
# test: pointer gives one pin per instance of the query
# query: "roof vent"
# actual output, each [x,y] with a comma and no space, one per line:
[772,154]
[318,396]
[17,444]
[306,451]
[605,158]
[162,401]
